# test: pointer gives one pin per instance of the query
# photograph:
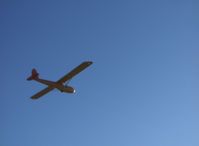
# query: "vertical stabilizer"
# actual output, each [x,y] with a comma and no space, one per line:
[34,75]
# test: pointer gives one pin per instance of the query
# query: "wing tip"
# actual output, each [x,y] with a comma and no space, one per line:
[33,98]
[88,62]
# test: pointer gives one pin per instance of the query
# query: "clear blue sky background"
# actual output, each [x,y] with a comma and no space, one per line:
[142,89]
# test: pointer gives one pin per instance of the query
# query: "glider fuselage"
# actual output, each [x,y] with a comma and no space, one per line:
[60,86]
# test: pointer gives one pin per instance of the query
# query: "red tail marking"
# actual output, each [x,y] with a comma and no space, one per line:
[34,75]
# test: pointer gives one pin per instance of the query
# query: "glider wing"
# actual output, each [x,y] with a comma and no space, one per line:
[42,92]
[75,71]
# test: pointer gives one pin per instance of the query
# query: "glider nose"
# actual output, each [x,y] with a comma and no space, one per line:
[70,89]
[74,91]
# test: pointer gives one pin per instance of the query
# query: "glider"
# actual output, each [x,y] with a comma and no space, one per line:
[58,84]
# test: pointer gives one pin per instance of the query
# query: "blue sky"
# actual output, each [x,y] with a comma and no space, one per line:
[141,90]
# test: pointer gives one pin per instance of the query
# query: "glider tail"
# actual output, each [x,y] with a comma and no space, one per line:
[34,75]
